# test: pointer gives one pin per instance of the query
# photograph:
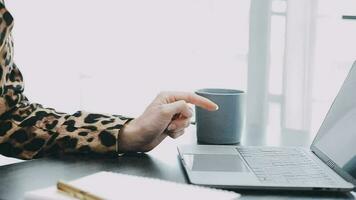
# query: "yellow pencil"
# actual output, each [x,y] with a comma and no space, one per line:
[75,192]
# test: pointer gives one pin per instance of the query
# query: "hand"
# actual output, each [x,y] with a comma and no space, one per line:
[168,115]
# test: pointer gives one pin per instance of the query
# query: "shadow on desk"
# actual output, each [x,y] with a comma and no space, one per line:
[258,194]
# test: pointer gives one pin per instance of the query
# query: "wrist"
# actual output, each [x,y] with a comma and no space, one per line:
[128,140]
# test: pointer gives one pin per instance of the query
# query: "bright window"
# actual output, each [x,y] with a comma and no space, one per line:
[114,56]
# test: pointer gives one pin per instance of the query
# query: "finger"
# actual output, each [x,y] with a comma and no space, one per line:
[179,115]
[175,135]
[177,107]
[179,124]
[194,99]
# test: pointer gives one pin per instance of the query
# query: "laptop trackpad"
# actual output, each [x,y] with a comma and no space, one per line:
[211,162]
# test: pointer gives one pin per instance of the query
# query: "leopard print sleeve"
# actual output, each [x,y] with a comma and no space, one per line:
[28,130]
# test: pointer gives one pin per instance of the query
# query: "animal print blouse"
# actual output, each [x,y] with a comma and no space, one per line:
[28,130]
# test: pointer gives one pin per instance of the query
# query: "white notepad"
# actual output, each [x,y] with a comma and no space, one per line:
[111,185]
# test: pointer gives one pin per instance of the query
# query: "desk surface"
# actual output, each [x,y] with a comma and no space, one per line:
[162,163]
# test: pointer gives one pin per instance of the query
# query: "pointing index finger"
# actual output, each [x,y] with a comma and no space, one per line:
[196,100]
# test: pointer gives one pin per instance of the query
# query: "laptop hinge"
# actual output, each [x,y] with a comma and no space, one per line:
[328,162]
[331,164]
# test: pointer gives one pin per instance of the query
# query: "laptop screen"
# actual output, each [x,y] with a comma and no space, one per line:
[337,135]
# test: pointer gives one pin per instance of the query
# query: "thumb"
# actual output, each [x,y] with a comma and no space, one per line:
[178,107]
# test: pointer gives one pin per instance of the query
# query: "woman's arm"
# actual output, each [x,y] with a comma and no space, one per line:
[31,131]
[28,130]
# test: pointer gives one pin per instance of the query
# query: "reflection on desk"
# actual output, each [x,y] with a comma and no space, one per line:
[162,163]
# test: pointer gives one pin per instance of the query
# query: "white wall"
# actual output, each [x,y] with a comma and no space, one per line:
[114,56]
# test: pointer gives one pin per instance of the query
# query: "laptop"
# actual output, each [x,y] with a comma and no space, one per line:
[328,165]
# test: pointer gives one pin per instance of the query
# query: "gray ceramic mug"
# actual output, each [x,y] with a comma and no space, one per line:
[225,125]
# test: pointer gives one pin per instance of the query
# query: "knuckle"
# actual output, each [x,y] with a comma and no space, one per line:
[163,94]
[164,111]
[191,97]
[189,110]
[183,104]
[180,102]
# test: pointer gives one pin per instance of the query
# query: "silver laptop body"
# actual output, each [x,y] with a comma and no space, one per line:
[329,164]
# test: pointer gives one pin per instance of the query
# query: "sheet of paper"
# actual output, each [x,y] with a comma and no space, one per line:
[114,186]
[7,160]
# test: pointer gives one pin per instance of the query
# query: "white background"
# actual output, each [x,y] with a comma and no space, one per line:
[114,56]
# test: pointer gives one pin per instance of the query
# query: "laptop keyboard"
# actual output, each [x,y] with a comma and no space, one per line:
[284,166]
